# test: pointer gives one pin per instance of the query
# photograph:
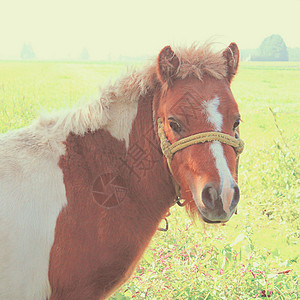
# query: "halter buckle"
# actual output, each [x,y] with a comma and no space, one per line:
[178,201]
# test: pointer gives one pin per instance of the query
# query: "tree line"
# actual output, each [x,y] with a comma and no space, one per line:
[272,48]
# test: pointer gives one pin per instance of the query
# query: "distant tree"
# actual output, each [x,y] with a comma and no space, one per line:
[273,48]
[84,54]
[27,52]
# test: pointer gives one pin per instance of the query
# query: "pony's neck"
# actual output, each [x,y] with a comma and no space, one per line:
[149,176]
[133,190]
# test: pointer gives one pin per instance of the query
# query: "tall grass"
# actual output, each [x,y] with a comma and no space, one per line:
[256,254]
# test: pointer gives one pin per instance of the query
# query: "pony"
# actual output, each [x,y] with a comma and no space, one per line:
[82,191]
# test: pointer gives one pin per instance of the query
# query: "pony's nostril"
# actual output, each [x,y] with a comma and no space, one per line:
[215,208]
[209,196]
[236,197]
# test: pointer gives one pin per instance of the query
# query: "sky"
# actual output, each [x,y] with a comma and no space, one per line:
[60,29]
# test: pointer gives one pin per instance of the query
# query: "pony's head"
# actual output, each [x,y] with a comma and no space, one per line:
[195,97]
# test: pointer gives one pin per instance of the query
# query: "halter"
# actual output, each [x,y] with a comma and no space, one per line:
[169,149]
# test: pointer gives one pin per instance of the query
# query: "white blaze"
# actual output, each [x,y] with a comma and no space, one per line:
[224,173]
[226,181]
[213,115]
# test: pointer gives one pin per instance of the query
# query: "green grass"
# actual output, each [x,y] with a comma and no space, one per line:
[256,254]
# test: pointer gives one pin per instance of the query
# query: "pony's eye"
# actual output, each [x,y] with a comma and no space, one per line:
[174,126]
[236,124]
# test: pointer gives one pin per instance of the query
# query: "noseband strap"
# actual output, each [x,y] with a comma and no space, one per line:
[169,149]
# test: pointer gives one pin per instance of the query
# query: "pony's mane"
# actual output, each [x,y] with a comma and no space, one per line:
[196,61]
[199,61]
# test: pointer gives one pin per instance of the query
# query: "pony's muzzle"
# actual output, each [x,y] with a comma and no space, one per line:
[214,207]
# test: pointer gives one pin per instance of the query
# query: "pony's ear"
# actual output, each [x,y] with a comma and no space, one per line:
[167,64]
[232,56]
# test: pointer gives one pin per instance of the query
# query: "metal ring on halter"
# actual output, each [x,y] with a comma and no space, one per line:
[166,228]
[167,224]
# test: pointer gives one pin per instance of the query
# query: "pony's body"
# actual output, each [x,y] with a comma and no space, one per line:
[59,239]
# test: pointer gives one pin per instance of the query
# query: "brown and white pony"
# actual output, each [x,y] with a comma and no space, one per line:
[83,191]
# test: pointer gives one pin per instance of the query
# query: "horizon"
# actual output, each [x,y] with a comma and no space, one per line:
[119,58]
[60,30]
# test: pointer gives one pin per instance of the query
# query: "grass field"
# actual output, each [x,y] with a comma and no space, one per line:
[256,255]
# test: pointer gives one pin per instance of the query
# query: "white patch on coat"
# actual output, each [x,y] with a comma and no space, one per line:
[215,118]
[122,116]
[32,195]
